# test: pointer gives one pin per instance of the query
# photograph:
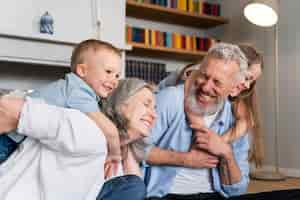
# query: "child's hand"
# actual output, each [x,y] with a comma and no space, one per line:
[200,159]
[113,158]
[210,141]
[192,117]
[10,108]
[112,162]
[111,168]
[114,149]
[195,119]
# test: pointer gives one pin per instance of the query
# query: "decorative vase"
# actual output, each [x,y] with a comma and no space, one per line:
[46,24]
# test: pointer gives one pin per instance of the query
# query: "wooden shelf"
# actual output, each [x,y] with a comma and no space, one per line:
[171,15]
[166,53]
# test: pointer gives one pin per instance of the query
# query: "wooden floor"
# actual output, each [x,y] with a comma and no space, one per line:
[263,186]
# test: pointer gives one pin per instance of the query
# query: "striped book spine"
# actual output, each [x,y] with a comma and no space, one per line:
[196,6]
[153,38]
[147,38]
[191,6]
[188,43]
[182,5]
[200,9]
[128,34]
[169,40]
[169,3]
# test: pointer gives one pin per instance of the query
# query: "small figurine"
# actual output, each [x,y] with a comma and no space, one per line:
[46,24]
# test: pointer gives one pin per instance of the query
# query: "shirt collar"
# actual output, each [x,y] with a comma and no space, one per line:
[223,114]
[72,76]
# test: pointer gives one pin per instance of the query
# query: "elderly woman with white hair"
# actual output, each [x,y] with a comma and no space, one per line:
[63,154]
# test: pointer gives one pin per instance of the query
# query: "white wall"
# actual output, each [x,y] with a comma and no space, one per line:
[289,81]
[240,30]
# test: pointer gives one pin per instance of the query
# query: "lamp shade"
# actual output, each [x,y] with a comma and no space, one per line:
[262,12]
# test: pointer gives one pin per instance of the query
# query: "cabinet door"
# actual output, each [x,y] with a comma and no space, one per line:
[73,20]
[111,15]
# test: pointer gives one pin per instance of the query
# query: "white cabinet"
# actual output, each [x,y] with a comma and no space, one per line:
[111,14]
[74,21]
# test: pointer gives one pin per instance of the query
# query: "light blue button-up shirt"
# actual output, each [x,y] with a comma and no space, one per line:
[70,92]
[172,132]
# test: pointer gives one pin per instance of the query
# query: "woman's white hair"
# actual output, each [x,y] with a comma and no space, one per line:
[112,106]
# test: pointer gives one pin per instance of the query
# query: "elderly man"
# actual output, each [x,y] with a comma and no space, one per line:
[174,170]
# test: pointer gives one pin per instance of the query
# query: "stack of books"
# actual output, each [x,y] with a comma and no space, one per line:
[149,71]
[194,6]
[155,38]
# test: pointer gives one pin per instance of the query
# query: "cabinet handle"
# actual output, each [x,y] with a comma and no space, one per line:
[95,8]
[46,23]
[98,24]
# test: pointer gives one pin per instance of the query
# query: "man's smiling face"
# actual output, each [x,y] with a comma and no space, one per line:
[211,84]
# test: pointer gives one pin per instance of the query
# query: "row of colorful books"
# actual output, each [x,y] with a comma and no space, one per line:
[155,38]
[149,71]
[193,6]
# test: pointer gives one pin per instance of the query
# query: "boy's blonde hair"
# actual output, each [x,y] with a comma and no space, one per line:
[78,54]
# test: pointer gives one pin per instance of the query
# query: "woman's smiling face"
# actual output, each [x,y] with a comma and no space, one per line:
[139,109]
[252,74]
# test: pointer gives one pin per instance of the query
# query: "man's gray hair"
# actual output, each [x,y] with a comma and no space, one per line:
[230,52]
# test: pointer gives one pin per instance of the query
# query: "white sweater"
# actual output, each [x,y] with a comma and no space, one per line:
[62,158]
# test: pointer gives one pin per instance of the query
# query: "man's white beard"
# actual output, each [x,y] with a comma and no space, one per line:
[197,109]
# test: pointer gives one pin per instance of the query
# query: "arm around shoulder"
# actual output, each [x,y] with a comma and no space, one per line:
[242,122]
[158,156]
[240,151]
[65,130]
[10,109]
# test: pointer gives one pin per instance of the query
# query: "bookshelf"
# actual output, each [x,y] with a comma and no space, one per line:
[172,16]
[164,52]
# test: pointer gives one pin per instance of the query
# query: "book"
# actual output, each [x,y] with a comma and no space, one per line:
[182,5]
[177,41]
[191,6]
[200,9]
[174,4]
[147,41]
[153,38]
[138,35]
[169,43]
[196,6]
[128,34]
[183,42]
[169,3]
[188,43]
